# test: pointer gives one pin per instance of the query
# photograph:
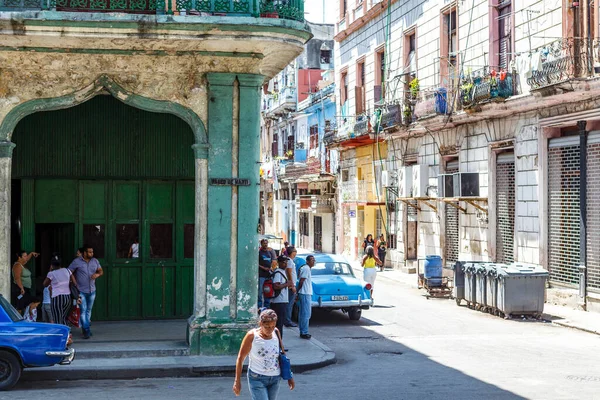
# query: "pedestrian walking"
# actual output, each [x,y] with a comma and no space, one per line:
[368,242]
[305,295]
[58,280]
[369,263]
[266,258]
[263,346]
[86,270]
[281,283]
[381,247]
[290,271]
[22,282]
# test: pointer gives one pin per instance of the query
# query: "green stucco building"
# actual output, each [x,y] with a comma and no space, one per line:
[139,120]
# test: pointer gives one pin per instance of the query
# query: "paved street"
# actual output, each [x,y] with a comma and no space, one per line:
[407,347]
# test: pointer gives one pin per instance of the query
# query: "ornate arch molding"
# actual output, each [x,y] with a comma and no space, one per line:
[103,83]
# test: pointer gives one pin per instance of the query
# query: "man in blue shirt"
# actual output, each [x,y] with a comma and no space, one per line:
[86,270]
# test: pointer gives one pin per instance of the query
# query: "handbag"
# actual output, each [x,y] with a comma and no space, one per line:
[74,291]
[74,316]
[285,365]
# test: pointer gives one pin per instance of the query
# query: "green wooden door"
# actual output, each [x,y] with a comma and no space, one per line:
[116,173]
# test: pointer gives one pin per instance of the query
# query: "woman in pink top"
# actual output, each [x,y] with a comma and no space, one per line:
[59,279]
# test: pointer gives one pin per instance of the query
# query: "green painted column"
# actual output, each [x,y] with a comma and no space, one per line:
[220,139]
[248,209]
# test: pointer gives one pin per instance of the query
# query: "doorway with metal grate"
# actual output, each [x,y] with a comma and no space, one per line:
[505,208]
[452,223]
[563,210]
[593,212]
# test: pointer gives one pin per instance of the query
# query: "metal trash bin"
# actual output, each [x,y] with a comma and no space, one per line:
[458,290]
[521,290]
[480,287]
[470,289]
[491,289]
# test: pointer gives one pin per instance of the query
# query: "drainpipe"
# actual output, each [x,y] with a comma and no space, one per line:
[582,213]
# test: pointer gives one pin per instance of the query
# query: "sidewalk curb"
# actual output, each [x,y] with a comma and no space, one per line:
[71,373]
[549,317]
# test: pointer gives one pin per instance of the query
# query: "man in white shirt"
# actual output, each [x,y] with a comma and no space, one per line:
[280,282]
[305,294]
[292,277]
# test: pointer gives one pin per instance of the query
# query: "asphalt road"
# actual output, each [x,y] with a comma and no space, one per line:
[406,347]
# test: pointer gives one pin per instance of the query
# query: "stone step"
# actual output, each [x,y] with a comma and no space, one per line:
[89,349]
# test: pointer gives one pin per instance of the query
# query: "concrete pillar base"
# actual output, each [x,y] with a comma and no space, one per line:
[211,338]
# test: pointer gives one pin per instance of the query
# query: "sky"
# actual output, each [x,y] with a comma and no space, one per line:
[313,10]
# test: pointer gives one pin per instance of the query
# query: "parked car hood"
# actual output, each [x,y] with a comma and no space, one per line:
[337,284]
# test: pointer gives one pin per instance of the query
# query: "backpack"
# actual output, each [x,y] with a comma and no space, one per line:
[269,291]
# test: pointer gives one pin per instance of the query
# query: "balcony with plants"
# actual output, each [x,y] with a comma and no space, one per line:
[485,85]
[432,102]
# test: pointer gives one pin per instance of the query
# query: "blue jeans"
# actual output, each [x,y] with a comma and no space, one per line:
[263,387]
[288,308]
[267,302]
[87,303]
[305,313]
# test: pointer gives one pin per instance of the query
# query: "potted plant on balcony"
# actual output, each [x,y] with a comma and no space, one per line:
[268,9]
[414,89]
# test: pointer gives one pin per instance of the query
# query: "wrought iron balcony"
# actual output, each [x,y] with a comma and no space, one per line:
[354,191]
[287,9]
[280,102]
[485,85]
[563,60]
[324,203]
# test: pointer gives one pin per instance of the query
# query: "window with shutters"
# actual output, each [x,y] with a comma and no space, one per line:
[344,87]
[504,34]
[449,47]
[360,88]
[380,73]
[275,145]
[501,27]
[314,137]
[410,59]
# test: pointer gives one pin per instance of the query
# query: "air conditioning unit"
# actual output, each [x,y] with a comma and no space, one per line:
[446,185]
[466,184]
[420,174]
[385,179]
[405,180]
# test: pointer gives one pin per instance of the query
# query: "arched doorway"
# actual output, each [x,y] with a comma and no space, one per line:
[106,173]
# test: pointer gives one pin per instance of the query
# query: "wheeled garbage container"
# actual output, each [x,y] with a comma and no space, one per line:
[470,289]
[480,290]
[491,288]
[458,289]
[521,290]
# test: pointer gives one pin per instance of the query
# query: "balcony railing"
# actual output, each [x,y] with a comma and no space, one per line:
[354,191]
[485,85]
[563,60]
[287,9]
[283,101]
[323,203]
[434,102]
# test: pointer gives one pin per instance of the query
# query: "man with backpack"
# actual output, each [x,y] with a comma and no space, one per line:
[266,258]
[280,286]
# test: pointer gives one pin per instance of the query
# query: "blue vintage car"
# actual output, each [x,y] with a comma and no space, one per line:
[28,344]
[335,287]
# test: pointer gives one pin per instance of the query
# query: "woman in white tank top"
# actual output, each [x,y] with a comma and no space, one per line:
[262,345]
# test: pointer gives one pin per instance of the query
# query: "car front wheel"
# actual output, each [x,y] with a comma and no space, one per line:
[354,314]
[10,370]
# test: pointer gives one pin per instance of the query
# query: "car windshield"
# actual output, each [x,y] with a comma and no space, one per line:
[10,310]
[331,268]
